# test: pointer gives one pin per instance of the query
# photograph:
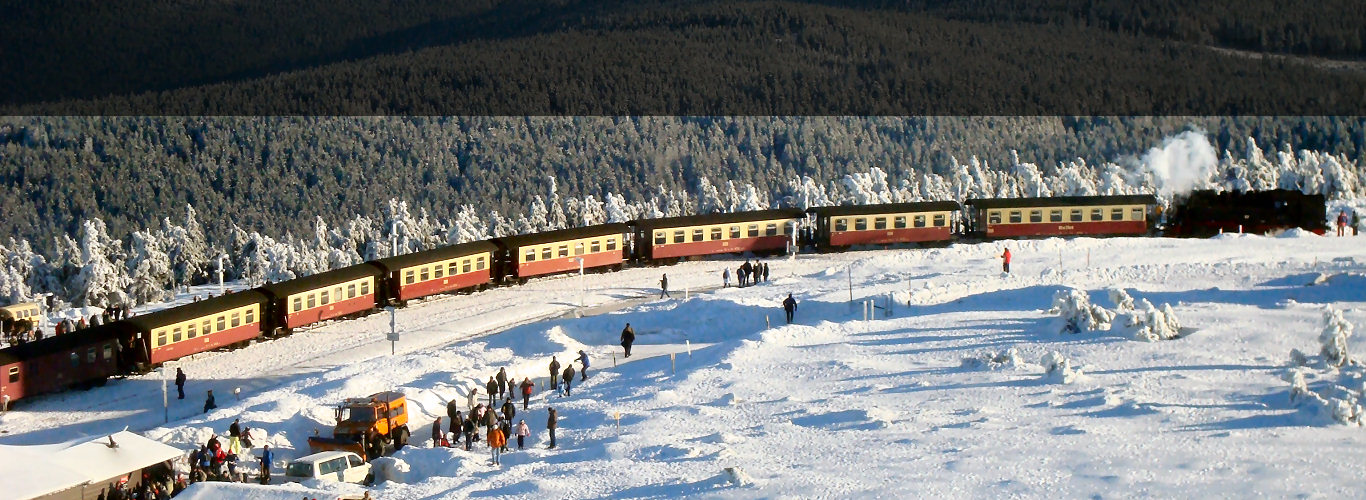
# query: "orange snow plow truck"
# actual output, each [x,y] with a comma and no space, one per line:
[370,427]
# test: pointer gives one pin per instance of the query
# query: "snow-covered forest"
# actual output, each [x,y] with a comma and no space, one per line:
[95,268]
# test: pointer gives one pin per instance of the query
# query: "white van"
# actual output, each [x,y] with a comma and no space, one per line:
[342,466]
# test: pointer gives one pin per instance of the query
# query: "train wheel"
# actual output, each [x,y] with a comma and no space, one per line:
[103,379]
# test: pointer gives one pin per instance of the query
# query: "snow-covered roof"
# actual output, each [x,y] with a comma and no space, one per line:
[210,490]
[33,471]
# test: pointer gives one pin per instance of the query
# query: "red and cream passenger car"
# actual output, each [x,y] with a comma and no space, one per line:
[324,296]
[61,362]
[677,237]
[199,326]
[440,270]
[531,255]
[1060,216]
[883,224]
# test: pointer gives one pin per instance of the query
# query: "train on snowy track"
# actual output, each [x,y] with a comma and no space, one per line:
[89,357]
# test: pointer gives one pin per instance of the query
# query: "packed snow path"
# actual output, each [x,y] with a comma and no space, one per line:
[833,406]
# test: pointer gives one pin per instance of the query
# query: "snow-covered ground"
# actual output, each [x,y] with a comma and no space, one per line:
[948,395]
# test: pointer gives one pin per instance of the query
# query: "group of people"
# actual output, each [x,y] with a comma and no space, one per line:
[747,274]
[214,462]
[24,331]
[159,482]
[1343,222]
[567,376]
[495,424]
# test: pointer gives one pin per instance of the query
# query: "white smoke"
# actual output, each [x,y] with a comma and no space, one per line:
[1183,163]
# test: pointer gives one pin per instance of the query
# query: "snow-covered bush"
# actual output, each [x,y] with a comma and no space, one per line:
[1336,330]
[1332,403]
[1123,302]
[1076,313]
[1058,369]
[1010,358]
[1149,323]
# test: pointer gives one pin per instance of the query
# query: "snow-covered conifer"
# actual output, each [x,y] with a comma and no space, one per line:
[149,268]
[1333,338]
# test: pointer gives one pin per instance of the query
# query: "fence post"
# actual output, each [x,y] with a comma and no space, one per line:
[767,324]
[672,368]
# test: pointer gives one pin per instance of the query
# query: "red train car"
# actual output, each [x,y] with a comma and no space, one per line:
[530,255]
[883,224]
[446,269]
[200,326]
[679,237]
[80,359]
[323,296]
[1060,216]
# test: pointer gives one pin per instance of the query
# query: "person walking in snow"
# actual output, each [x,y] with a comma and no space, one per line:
[468,428]
[506,427]
[583,372]
[180,382]
[452,409]
[1342,223]
[725,278]
[492,387]
[472,398]
[554,373]
[1005,261]
[628,337]
[454,425]
[527,387]
[436,433]
[502,383]
[497,440]
[209,403]
[664,287]
[568,378]
[522,432]
[790,307]
[765,272]
[551,424]
[509,409]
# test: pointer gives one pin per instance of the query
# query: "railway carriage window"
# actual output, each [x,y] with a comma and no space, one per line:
[564,250]
[735,232]
[880,223]
[860,224]
[75,360]
[236,320]
[479,263]
[191,331]
[323,298]
[1097,214]
[940,220]
[697,235]
[425,274]
[450,269]
[407,280]
[678,236]
[771,230]
[465,266]
[545,253]
[595,246]
[365,288]
[436,273]
[251,314]
[841,224]
[1116,214]
[90,355]
[1055,216]
[660,239]
[918,221]
[1036,216]
[313,300]
[298,304]
[1136,214]
[14,374]
[336,292]
[752,230]
[1015,217]
[899,222]
[161,339]
[578,248]
[175,335]
[350,292]
[205,328]
[1076,215]
[611,244]
[715,233]
[994,217]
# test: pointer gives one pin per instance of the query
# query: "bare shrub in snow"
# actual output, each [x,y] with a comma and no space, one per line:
[1149,323]
[1297,358]
[1336,330]
[1058,369]
[1076,312]
[1010,358]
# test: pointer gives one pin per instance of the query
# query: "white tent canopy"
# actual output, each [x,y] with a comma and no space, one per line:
[33,471]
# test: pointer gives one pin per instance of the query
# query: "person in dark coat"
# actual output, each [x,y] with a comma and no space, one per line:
[492,387]
[740,276]
[506,426]
[468,427]
[208,402]
[509,410]
[452,409]
[583,372]
[436,433]
[749,272]
[527,387]
[567,378]
[628,337]
[765,272]
[502,383]
[554,373]
[664,287]
[490,418]
[551,424]
[790,307]
[180,382]
[454,426]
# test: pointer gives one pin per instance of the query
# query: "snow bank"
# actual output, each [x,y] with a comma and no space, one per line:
[1058,369]
[1010,358]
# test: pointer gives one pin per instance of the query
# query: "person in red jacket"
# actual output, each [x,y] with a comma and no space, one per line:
[1342,223]
[1005,261]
